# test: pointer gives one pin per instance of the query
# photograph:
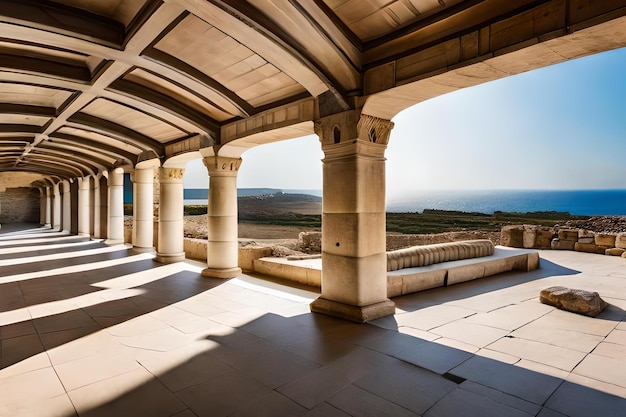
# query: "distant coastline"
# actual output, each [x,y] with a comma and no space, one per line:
[575,202]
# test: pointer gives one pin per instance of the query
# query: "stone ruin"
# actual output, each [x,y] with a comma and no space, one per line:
[580,240]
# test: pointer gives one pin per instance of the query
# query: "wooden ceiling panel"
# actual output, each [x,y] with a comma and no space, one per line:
[19,119]
[123,11]
[134,120]
[33,95]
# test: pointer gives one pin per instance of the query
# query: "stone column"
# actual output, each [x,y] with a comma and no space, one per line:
[56,207]
[170,246]
[97,206]
[48,222]
[42,206]
[142,209]
[84,207]
[67,207]
[222,245]
[354,261]
[115,223]
[103,207]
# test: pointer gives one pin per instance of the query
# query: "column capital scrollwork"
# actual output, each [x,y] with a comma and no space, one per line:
[350,126]
[222,165]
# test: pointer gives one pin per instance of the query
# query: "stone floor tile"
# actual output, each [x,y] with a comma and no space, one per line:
[75,348]
[464,403]
[14,317]
[578,401]
[64,321]
[431,317]
[603,368]
[498,356]
[320,350]
[617,337]
[597,385]
[136,326]
[223,396]
[558,337]
[543,369]
[30,393]
[161,340]
[501,397]
[32,363]
[564,320]
[135,393]
[419,334]
[326,410]
[90,369]
[551,355]
[474,334]
[546,412]
[272,405]
[19,348]
[527,385]
[276,367]
[184,367]
[611,350]
[434,357]
[360,403]
[457,344]
[185,413]
[406,385]
[511,317]
[321,384]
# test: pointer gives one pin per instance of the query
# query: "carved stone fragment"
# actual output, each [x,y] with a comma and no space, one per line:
[577,301]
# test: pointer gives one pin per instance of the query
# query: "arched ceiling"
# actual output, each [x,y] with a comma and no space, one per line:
[89,85]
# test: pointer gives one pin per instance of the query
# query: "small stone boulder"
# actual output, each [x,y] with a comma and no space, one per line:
[577,301]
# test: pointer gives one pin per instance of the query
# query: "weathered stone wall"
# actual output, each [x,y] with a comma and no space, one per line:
[580,240]
[19,205]
[311,242]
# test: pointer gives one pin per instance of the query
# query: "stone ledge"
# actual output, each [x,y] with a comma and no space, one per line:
[410,280]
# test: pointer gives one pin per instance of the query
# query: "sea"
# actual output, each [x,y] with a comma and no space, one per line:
[577,202]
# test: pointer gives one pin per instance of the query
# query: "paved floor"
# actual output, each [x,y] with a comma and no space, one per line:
[92,330]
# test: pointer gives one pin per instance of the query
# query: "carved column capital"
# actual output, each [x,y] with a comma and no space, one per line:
[222,165]
[171,174]
[350,126]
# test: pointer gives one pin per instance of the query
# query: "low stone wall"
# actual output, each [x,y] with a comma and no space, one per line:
[580,240]
[439,252]
[311,242]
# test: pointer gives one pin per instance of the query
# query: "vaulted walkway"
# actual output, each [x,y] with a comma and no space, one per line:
[94,330]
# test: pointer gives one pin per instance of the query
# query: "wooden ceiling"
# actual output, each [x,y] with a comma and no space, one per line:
[88,85]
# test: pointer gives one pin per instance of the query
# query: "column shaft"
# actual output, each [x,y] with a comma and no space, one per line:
[222,245]
[67,207]
[115,230]
[48,207]
[170,246]
[84,207]
[143,217]
[56,207]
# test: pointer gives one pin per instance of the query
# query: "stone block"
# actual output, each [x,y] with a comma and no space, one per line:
[568,234]
[529,236]
[247,255]
[587,240]
[465,273]
[584,233]
[558,244]
[543,238]
[583,302]
[590,248]
[423,281]
[512,236]
[614,251]
[620,240]
[394,286]
[605,239]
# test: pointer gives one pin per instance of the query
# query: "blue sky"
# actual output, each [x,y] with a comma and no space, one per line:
[559,127]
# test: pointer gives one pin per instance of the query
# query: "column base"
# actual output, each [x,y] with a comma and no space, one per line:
[139,249]
[359,314]
[169,258]
[113,242]
[221,272]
